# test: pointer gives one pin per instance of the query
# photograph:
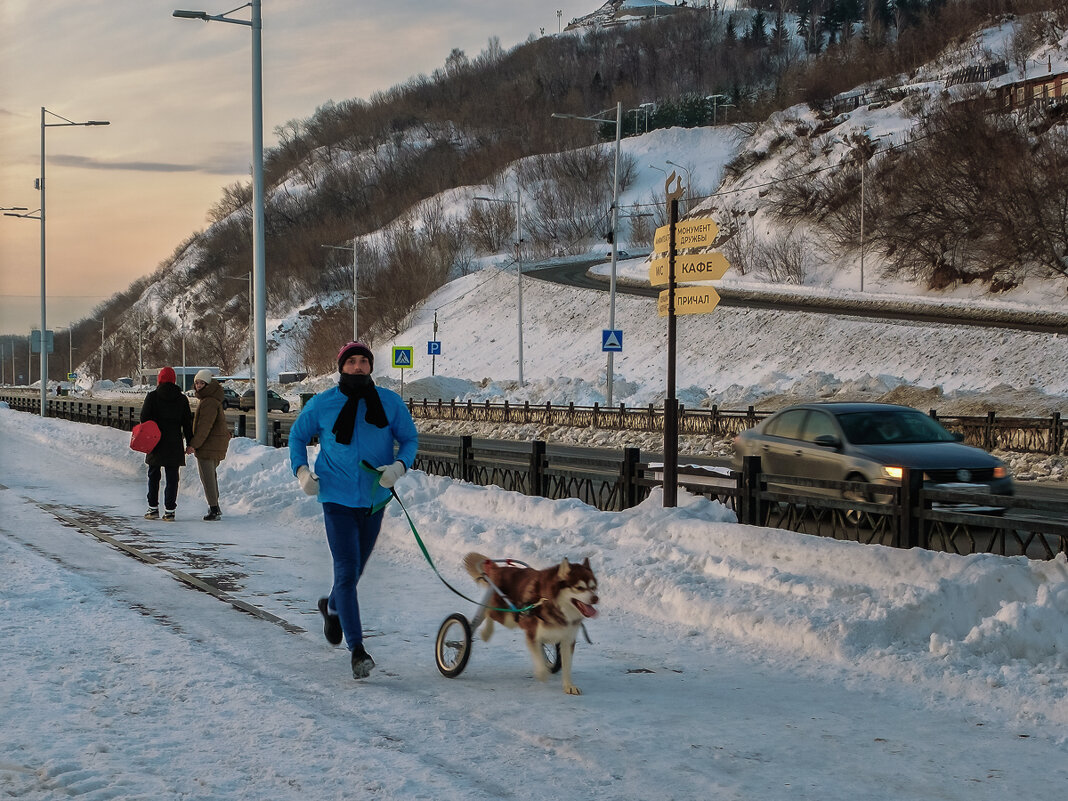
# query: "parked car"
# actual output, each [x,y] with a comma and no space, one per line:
[275,402]
[620,254]
[231,400]
[870,442]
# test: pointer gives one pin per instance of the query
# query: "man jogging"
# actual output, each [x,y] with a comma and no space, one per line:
[354,422]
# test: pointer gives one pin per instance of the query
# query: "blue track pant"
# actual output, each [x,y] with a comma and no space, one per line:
[351,534]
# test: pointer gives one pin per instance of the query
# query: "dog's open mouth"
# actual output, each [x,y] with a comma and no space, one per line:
[585,609]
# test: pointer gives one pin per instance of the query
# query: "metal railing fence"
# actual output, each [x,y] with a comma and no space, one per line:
[905,516]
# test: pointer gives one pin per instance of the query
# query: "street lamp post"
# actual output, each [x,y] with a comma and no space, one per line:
[41,216]
[518,262]
[183,310]
[615,231]
[689,185]
[251,345]
[355,284]
[716,105]
[258,268]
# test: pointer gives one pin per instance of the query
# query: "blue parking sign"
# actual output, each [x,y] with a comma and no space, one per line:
[433,348]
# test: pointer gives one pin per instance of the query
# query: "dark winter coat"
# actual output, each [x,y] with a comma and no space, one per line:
[211,434]
[169,408]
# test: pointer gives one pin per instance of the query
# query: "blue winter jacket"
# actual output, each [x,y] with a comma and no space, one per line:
[341,479]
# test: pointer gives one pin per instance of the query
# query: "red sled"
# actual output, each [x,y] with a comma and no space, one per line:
[145,437]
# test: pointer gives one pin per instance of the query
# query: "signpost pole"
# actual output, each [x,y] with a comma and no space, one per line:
[671,408]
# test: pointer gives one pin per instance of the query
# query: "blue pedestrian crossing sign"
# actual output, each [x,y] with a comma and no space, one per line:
[402,356]
[433,348]
[612,340]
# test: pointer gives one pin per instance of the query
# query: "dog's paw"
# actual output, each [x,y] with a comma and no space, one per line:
[571,689]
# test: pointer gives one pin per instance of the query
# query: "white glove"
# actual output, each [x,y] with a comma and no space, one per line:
[390,473]
[309,482]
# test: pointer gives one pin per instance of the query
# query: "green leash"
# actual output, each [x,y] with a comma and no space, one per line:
[426,554]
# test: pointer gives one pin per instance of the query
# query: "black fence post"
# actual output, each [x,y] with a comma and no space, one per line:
[242,425]
[1056,434]
[466,459]
[276,433]
[629,477]
[537,468]
[989,439]
[749,484]
[913,531]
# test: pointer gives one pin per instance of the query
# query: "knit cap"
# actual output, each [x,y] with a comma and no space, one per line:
[354,348]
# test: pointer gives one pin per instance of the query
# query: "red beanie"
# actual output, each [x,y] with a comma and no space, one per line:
[166,376]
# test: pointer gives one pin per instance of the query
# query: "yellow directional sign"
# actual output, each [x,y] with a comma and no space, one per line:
[700,267]
[689,300]
[688,234]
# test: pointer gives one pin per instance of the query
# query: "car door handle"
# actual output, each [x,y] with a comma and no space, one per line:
[797,452]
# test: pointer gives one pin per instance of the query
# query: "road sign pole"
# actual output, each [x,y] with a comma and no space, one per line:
[671,408]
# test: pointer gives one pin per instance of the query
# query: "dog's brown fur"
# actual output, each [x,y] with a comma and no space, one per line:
[563,595]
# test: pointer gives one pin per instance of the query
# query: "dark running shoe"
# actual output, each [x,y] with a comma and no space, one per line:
[331,623]
[152,513]
[214,513]
[168,514]
[362,664]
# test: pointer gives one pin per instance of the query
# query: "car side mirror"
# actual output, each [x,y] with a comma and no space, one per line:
[828,441]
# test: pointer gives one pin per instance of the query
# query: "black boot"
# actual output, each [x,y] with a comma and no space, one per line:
[331,623]
[214,513]
[362,664]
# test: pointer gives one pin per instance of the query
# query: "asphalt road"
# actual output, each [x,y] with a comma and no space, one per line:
[576,274]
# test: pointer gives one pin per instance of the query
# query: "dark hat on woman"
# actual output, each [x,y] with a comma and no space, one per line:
[351,349]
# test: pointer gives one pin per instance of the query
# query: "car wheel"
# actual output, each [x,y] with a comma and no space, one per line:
[855,516]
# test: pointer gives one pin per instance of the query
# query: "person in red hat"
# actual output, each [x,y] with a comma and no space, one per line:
[354,422]
[169,409]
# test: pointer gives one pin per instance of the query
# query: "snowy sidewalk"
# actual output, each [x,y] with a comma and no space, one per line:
[122,683]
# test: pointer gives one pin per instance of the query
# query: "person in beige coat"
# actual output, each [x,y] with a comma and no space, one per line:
[211,438]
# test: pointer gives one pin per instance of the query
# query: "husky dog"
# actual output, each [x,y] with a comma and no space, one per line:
[562,596]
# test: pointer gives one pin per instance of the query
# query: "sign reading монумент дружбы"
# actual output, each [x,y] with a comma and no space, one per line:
[688,234]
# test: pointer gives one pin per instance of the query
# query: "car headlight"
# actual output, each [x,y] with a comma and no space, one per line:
[892,472]
[1001,472]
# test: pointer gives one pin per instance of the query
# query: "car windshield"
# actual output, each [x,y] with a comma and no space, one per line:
[885,427]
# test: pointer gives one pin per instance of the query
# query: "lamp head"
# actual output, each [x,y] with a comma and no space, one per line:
[191,15]
[97,122]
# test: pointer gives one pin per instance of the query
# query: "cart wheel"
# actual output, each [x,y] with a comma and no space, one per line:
[453,646]
[551,652]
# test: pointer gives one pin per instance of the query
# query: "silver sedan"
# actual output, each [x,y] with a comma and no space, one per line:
[870,442]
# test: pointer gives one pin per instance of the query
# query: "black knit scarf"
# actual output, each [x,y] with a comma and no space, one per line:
[355,388]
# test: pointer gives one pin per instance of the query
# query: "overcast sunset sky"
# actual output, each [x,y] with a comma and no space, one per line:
[178,96]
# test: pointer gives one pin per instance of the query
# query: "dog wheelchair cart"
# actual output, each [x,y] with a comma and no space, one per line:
[452,648]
